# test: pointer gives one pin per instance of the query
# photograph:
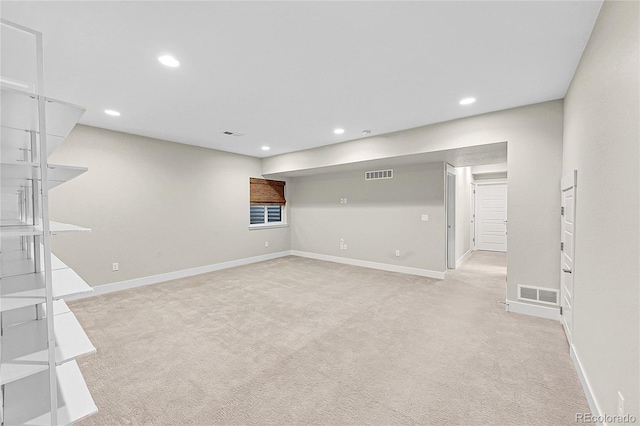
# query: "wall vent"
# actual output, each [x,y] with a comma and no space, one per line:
[538,294]
[378,174]
[228,133]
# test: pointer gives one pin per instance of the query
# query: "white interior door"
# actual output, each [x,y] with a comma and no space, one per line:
[491,216]
[567,252]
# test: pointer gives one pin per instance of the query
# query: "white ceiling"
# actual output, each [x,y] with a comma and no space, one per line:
[287,73]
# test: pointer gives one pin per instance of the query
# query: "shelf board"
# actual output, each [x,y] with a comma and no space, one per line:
[15,141]
[27,400]
[14,263]
[27,290]
[20,231]
[20,112]
[14,174]
[58,174]
[24,348]
[30,230]
[19,170]
[60,228]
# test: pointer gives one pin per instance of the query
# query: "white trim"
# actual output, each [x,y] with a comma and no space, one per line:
[533,310]
[374,265]
[491,181]
[155,279]
[584,381]
[268,225]
[463,258]
[450,169]
[568,181]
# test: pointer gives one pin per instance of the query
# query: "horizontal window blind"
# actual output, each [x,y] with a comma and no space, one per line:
[274,213]
[264,192]
[257,214]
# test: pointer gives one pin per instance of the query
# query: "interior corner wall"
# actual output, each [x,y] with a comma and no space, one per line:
[463,211]
[534,161]
[602,140]
[380,216]
[154,207]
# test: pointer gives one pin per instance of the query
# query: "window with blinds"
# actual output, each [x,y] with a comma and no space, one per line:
[266,202]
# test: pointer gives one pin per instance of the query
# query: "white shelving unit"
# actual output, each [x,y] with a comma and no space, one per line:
[40,339]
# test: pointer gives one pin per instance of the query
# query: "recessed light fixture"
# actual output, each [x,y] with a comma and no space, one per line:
[467,101]
[265,148]
[338,131]
[112,112]
[169,61]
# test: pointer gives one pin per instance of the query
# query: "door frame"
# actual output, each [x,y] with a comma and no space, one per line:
[569,181]
[472,229]
[475,206]
[450,215]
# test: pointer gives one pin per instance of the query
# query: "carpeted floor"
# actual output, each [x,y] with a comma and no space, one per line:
[296,341]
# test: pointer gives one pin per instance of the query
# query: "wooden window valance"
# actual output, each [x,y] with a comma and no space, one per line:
[266,192]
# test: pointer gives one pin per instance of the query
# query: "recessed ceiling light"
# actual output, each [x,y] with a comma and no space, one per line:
[338,131]
[111,112]
[467,101]
[169,61]
[265,148]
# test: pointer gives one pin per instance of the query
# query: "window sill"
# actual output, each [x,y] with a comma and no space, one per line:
[268,226]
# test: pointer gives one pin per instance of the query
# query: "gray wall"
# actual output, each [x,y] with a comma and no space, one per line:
[534,135]
[380,217]
[602,143]
[154,206]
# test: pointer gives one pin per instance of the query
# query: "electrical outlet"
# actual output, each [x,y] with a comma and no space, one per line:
[345,201]
[424,218]
[115,267]
[620,404]
[341,200]
[397,253]
[266,243]
[345,246]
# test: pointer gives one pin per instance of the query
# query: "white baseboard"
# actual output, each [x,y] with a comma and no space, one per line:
[155,279]
[533,310]
[586,386]
[463,258]
[373,265]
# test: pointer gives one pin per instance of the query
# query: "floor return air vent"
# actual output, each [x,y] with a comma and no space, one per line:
[538,294]
[379,174]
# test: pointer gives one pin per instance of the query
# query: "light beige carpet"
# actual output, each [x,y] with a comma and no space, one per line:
[298,341]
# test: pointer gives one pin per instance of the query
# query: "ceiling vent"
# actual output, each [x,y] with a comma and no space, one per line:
[378,174]
[228,133]
[538,294]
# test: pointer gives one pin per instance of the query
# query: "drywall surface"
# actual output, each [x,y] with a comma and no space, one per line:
[534,135]
[379,217]
[463,211]
[154,206]
[602,142]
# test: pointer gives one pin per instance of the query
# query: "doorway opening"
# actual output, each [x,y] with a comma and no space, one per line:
[476,210]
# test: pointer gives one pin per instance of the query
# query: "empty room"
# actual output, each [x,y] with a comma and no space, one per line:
[322,213]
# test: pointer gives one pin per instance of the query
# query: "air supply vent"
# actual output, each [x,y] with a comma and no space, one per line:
[228,133]
[379,174]
[538,294]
